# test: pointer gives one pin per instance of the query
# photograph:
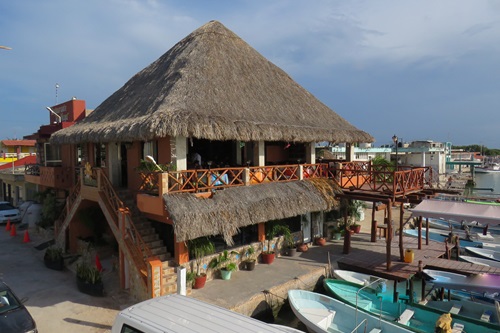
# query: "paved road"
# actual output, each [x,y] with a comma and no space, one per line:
[52,297]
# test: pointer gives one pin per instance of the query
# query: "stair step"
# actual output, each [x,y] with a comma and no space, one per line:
[155,243]
[150,238]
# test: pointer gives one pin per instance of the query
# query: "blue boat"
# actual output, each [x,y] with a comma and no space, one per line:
[416,317]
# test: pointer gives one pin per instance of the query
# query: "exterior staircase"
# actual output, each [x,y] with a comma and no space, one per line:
[141,239]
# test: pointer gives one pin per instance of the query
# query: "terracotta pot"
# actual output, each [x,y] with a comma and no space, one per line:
[199,281]
[267,258]
[356,228]
[302,248]
[320,241]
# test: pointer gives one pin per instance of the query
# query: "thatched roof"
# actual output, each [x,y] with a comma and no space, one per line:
[236,207]
[212,85]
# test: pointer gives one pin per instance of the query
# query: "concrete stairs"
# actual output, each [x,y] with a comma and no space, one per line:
[153,241]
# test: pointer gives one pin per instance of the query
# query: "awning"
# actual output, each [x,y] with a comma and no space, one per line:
[235,207]
[458,211]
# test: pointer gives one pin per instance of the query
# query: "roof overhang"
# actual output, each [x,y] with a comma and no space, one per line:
[457,210]
[236,207]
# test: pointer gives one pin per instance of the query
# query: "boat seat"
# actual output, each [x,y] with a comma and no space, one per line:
[457,328]
[486,316]
[455,309]
[321,317]
[405,317]
[375,330]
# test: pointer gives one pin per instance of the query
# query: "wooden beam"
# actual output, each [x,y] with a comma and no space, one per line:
[401,245]
[388,236]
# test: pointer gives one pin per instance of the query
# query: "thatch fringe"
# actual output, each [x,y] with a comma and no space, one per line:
[212,85]
[236,207]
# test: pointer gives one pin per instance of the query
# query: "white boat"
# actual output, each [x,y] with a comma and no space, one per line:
[324,314]
[480,261]
[355,277]
[181,314]
[483,283]
[286,328]
[488,168]
[484,253]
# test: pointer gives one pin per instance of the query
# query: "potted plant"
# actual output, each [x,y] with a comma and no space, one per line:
[352,210]
[250,258]
[336,232]
[53,258]
[200,248]
[320,241]
[224,264]
[268,255]
[88,279]
[190,276]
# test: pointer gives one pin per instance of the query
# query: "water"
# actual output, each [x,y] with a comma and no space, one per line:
[488,180]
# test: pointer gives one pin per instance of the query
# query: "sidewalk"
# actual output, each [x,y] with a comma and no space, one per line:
[52,296]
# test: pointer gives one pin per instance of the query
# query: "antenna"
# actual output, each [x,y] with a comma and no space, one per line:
[57,87]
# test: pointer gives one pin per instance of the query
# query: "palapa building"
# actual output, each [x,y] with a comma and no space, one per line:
[251,125]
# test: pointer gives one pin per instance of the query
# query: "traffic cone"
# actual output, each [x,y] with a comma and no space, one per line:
[98,263]
[26,237]
[7,228]
[13,230]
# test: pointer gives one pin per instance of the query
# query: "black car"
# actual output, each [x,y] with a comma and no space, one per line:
[14,317]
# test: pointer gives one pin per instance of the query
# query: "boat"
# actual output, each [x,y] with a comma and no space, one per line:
[415,317]
[321,314]
[482,283]
[488,168]
[286,328]
[440,238]
[182,314]
[486,312]
[467,235]
[474,226]
[357,278]
[487,253]
[480,261]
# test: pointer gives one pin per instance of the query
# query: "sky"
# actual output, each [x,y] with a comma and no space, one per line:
[420,70]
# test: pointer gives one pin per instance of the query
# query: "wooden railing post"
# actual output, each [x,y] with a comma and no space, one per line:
[163,183]
[246,176]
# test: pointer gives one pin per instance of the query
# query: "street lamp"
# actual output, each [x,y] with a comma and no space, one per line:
[395,139]
[152,160]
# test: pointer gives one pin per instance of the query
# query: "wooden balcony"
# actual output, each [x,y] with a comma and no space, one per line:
[352,176]
[50,176]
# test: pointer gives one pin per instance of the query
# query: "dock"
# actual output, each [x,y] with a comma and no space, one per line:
[265,288]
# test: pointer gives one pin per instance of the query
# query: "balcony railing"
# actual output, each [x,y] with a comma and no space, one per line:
[361,176]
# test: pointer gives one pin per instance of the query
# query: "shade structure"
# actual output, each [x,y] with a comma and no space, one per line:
[458,211]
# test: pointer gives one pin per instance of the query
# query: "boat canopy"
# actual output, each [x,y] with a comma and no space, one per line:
[458,211]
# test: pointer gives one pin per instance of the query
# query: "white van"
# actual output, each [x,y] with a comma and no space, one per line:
[182,314]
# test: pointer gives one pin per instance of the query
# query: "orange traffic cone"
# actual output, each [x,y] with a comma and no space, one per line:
[13,230]
[98,263]
[7,228]
[26,237]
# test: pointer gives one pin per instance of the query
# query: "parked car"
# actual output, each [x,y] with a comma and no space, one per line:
[9,212]
[14,317]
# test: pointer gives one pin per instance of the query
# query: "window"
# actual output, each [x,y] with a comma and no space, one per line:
[52,155]
[129,329]
[100,154]
[150,148]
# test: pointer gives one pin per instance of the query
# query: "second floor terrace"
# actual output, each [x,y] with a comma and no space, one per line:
[359,176]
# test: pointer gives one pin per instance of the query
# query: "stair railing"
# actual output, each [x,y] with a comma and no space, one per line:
[70,200]
[138,248]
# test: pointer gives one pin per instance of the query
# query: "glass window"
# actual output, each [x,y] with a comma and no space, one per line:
[52,155]
[129,329]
